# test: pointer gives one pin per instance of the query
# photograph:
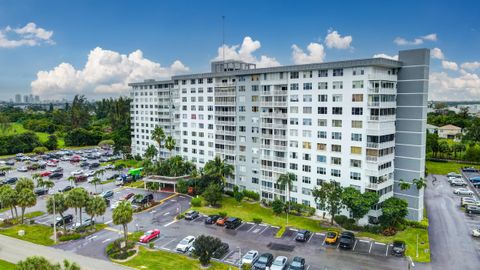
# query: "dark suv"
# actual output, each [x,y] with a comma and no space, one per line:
[303,235]
[265,260]
[398,248]
[67,219]
[212,219]
[191,215]
[472,209]
[233,223]
[347,240]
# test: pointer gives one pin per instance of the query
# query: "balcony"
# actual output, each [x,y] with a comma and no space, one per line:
[226,113]
[274,115]
[221,84]
[228,142]
[225,103]
[226,132]
[382,90]
[381,118]
[380,145]
[225,93]
[380,159]
[264,188]
[378,186]
[225,123]
[378,104]
[273,103]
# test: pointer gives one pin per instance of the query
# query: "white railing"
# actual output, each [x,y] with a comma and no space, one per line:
[227,113]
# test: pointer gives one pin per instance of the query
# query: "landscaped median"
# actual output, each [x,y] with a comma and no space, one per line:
[437,167]
[248,211]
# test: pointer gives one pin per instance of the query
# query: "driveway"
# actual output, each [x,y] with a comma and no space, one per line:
[452,246]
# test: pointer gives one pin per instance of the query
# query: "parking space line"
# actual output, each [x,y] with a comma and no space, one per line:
[164,245]
[106,240]
[240,226]
[386,252]
[251,223]
[108,222]
[228,255]
[170,223]
[356,241]
[321,234]
[308,267]
[378,243]
[254,226]
[323,244]
[364,241]
[167,213]
[164,248]
[370,250]
[266,227]
[291,229]
[310,238]
[276,227]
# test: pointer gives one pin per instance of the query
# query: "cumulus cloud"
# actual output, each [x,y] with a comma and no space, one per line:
[443,87]
[29,35]
[471,65]
[449,65]
[437,54]
[245,52]
[416,41]
[316,54]
[335,40]
[105,72]
[382,55]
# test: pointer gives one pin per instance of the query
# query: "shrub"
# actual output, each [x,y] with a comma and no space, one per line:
[197,202]
[277,207]
[238,196]
[70,236]
[251,195]
[223,214]
[415,224]
[106,143]
[390,231]
[122,255]
[229,193]
[340,219]
[182,186]
[40,150]
[266,203]
[375,229]
[151,245]
[257,220]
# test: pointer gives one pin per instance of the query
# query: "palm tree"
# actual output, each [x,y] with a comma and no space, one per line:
[24,183]
[71,178]
[122,215]
[158,135]
[60,206]
[95,181]
[286,181]
[419,183]
[404,185]
[150,152]
[77,198]
[95,206]
[9,198]
[26,198]
[170,144]
[219,168]
[48,184]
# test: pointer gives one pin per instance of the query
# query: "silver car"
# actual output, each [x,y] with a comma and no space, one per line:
[280,263]
[463,192]
[250,257]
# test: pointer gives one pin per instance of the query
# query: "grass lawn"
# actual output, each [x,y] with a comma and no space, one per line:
[34,214]
[4,265]
[147,259]
[446,167]
[38,234]
[248,211]
[136,184]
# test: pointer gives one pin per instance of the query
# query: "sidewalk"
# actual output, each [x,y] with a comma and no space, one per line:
[14,250]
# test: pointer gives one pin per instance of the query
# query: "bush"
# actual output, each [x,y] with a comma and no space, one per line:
[415,224]
[70,236]
[277,207]
[390,231]
[375,229]
[251,195]
[182,187]
[106,143]
[151,245]
[238,196]
[122,255]
[223,214]
[341,219]
[197,202]
[266,203]
[229,193]
[257,220]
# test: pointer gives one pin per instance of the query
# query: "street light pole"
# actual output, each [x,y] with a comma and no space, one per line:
[54,222]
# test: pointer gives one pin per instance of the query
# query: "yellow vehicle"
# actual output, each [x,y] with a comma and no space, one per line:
[331,238]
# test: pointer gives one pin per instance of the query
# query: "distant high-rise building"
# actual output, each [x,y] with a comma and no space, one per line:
[25,98]
[18,98]
[37,99]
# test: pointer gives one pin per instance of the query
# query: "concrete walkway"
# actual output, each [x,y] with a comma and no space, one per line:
[14,250]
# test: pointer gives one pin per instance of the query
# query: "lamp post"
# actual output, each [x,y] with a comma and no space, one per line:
[54,222]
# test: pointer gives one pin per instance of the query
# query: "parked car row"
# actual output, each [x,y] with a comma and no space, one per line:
[267,261]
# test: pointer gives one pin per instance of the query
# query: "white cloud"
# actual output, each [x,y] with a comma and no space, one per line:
[430,37]
[29,35]
[437,54]
[244,52]
[382,55]
[316,54]
[335,40]
[105,72]
[416,41]
[449,65]
[464,87]
[471,65]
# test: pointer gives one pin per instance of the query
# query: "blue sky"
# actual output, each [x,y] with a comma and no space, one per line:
[190,32]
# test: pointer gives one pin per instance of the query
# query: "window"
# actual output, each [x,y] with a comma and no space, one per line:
[357,84]
[357,111]
[294,132]
[294,75]
[307,98]
[306,180]
[306,168]
[321,170]
[337,85]
[294,109]
[357,124]
[323,73]
[336,148]
[356,137]
[307,145]
[337,98]
[307,133]
[306,157]
[338,72]
[358,71]
[322,134]
[322,98]
[307,86]
[336,123]
[321,146]
[294,121]
[355,163]
[307,74]
[355,176]
[322,85]
[321,159]
[294,98]
[356,150]
[337,110]
[336,135]
[294,86]
[322,110]
[307,110]
[322,122]
[336,161]
[335,173]
[307,121]
[357,98]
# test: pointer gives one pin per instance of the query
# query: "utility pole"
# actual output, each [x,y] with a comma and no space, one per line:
[54,222]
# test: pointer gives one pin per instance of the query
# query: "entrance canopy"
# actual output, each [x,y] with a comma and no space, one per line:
[164,180]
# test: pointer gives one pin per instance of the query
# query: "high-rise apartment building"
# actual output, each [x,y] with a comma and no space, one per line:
[360,123]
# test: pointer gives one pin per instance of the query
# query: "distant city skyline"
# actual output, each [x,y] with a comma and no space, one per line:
[56,57]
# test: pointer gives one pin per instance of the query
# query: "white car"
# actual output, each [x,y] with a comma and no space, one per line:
[89,173]
[453,174]
[249,257]
[280,263]
[114,205]
[22,169]
[77,172]
[185,244]
[476,232]
[458,182]
[463,191]
[110,166]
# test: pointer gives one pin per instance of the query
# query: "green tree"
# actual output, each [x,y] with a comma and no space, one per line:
[95,181]
[9,198]
[79,112]
[204,247]
[170,144]
[26,198]
[419,183]
[150,152]
[77,199]
[404,185]
[213,194]
[24,183]
[432,143]
[285,181]
[219,168]
[51,143]
[60,206]
[158,135]
[40,263]
[329,198]
[358,203]
[394,210]
[122,215]
[277,206]
[5,124]
[95,206]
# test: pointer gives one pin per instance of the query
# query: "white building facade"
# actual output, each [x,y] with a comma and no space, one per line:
[323,122]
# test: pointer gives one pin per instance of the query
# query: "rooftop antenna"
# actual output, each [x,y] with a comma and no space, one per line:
[223,38]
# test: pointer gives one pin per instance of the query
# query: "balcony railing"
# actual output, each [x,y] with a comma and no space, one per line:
[225,123]
[273,103]
[226,113]
[378,104]
[382,118]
